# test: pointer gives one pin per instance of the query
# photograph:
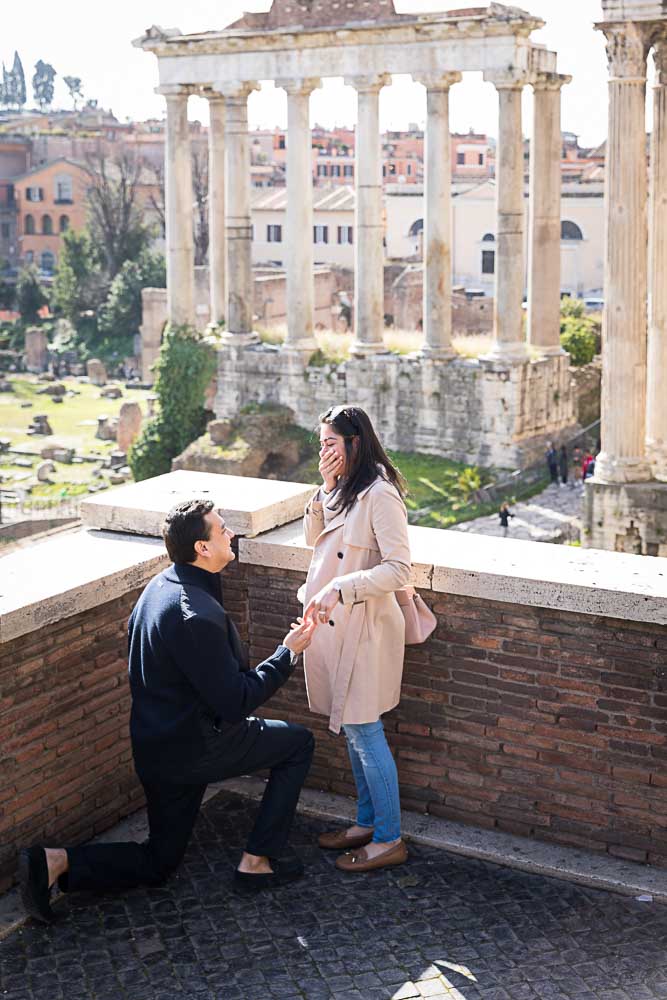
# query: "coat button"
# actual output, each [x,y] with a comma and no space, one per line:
[331,621]
[340,555]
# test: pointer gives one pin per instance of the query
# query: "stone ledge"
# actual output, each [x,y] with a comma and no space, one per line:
[586,581]
[249,506]
[71,573]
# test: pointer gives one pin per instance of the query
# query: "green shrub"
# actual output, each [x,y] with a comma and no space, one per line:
[184,368]
[579,338]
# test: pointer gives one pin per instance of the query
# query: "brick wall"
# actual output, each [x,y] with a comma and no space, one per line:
[543,723]
[537,722]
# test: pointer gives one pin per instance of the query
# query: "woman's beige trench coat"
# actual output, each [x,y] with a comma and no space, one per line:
[353,668]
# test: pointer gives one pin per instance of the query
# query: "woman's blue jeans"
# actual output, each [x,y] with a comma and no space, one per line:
[376,779]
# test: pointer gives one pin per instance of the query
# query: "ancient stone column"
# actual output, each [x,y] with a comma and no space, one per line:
[623,426]
[238,228]
[437,310]
[216,207]
[299,221]
[509,340]
[178,208]
[656,401]
[368,227]
[544,216]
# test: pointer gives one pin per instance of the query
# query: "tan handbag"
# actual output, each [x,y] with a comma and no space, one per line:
[419,619]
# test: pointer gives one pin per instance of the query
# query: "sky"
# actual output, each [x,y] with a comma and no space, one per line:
[78,42]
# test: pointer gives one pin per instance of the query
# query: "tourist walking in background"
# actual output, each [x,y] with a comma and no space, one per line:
[563,464]
[357,526]
[552,463]
[504,514]
[577,470]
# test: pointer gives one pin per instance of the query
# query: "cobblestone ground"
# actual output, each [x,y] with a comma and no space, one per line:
[440,926]
[554,515]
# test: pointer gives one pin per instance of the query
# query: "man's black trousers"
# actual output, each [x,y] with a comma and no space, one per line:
[173,805]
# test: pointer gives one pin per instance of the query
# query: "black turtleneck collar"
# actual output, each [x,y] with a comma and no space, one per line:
[187,573]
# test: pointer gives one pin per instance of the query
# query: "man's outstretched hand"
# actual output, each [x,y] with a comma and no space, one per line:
[300,635]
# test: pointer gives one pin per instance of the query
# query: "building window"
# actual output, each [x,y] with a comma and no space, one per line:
[29,225]
[408,169]
[345,234]
[488,261]
[63,224]
[47,262]
[281,142]
[460,158]
[322,170]
[29,257]
[34,194]
[320,234]
[4,230]
[348,170]
[416,228]
[63,189]
[570,231]
[384,170]
[274,234]
[480,159]
[488,238]
[335,170]
[47,225]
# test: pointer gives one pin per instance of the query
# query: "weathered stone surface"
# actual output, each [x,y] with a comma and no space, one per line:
[52,389]
[40,425]
[106,428]
[36,351]
[111,392]
[626,517]
[249,506]
[318,14]
[254,444]
[129,425]
[96,372]
[44,471]
[470,411]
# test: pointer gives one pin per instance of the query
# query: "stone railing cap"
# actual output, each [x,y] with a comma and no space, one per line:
[249,506]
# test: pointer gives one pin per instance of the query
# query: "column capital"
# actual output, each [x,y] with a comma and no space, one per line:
[507,79]
[437,81]
[373,83]
[235,90]
[549,81]
[211,95]
[303,86]
[660,59]
[627,48]
[182,90]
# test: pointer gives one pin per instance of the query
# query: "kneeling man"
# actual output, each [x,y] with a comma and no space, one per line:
[192,723]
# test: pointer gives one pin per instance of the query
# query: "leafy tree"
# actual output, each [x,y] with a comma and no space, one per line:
[73,84]
[18,78]
[120,315]
[184,368]
[79,285]
[42,83]
[579,333]
[29,294]
[116,221]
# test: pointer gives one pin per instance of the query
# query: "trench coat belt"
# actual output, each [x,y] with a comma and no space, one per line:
[353,629]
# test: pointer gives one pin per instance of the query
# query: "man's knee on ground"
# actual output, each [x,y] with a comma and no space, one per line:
[161,864]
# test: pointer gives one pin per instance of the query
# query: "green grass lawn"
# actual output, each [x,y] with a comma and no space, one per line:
[73,421]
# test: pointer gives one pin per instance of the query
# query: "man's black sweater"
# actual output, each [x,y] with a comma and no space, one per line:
[186,670]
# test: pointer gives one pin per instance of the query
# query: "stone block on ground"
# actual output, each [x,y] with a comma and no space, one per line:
[44,471]
[96,372]
[40,425]
[129,425]
[106,428]
[111,392]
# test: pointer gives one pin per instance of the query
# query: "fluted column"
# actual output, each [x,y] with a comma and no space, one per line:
[656,403]
[238,232]
[437,309]
[216,207]
[509,339]
[178,208]
[368,229]
[544,216]
[299,222]
[623,426]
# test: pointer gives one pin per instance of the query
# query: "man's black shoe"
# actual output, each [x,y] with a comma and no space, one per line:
[285,870]
[34,884]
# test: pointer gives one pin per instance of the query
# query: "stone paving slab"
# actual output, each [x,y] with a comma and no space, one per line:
[554,515]
[441,926]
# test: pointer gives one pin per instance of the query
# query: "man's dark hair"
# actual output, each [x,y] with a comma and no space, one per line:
[183,526]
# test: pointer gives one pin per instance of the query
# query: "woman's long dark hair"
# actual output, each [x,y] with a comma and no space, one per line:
[365,462]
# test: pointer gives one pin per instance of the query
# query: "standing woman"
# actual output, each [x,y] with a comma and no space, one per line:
[357,526]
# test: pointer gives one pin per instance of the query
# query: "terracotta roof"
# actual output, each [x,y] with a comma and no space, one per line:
[319,14]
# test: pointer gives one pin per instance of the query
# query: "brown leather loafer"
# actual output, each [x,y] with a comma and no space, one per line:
[338,840]
[358,861]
